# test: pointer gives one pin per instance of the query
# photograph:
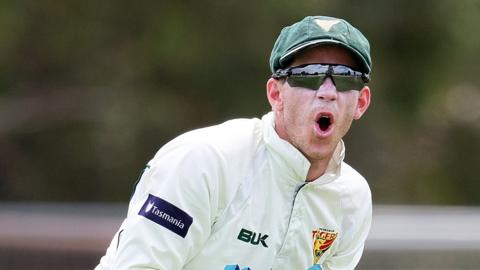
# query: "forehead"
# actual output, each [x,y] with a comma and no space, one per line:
[326,54]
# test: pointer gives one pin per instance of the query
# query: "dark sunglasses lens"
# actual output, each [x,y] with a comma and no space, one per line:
[346,83]
[310,82]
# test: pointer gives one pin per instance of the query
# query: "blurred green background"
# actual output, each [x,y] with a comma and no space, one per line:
[90,90]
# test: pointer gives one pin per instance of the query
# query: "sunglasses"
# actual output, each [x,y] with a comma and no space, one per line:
[311,76]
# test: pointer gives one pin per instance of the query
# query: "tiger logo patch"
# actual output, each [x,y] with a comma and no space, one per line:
[322,241]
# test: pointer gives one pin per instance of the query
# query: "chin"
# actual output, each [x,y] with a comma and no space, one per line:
[322,151]
[319,154]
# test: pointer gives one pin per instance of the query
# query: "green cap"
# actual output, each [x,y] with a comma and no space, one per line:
[317,30]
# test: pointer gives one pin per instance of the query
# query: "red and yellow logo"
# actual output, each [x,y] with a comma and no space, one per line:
[322,241]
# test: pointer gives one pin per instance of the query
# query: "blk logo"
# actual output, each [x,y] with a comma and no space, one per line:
[252,237]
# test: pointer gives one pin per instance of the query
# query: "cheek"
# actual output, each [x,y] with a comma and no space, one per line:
[349,104]
[295,113]
[295,108]
[349,109]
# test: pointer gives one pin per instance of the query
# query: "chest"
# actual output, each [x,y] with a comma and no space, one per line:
[274,223]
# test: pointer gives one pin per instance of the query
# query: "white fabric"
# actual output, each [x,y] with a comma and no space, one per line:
[241,175]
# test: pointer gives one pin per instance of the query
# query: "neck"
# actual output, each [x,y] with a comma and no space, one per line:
[317,168]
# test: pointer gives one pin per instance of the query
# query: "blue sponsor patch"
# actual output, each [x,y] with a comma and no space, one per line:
[166,215]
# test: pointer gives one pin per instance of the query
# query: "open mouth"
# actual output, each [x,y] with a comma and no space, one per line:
[325,122]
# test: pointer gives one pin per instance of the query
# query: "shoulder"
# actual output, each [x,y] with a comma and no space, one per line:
[355,180]
[228,140]
[222,151]
[226,135]
[357,195]
[218,156]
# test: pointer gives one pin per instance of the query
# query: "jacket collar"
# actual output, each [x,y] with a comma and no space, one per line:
[291,162]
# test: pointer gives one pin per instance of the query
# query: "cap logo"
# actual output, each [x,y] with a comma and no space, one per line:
[326,24]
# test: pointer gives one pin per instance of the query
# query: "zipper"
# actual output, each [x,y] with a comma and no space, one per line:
[299,187]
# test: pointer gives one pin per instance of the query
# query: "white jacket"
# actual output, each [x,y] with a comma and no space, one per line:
[235,194]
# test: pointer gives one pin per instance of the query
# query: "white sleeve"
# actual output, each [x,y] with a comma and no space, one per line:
[352,243]
[171,211]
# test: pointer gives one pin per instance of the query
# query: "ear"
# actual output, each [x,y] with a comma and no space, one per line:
[362,103]
[274,94]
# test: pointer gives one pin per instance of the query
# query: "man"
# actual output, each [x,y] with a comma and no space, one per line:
[270,193]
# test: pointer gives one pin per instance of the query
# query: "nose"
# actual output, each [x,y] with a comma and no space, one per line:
[327,91]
